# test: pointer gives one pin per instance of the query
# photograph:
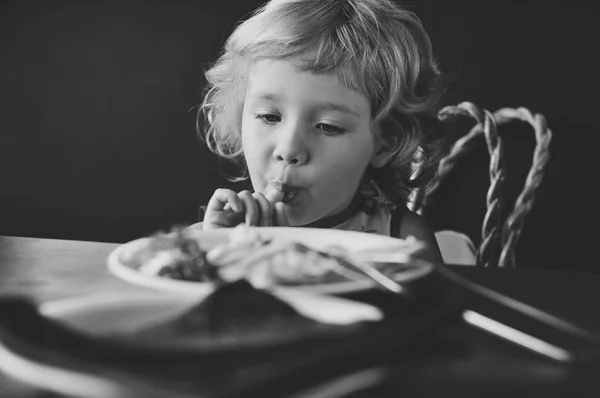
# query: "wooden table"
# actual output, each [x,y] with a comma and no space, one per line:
[47,269]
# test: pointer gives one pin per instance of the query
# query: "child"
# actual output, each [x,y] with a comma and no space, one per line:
[327,105]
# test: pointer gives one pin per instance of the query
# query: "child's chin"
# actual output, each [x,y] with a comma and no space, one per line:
[295,218]
[295,222]
[300,221]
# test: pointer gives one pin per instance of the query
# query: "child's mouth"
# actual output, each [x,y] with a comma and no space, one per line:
[290,195]
[281,192]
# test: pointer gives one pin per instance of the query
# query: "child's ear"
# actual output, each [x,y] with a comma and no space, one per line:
[383,152]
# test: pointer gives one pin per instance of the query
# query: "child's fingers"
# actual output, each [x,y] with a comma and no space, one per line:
[224,209]
[251,207]
[280,217]
[265,209]
[223,198]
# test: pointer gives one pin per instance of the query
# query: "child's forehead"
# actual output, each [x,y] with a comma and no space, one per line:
[290,81]
[344,74]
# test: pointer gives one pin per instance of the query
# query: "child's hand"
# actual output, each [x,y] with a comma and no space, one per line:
[227,208]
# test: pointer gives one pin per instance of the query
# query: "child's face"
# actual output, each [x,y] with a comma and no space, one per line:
[308,131]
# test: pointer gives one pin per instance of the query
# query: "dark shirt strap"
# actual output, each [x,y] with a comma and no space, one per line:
[396,221]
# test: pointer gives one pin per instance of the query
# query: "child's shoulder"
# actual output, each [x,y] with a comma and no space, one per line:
[414,224]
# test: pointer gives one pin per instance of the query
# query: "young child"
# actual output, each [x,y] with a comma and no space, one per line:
[327,105]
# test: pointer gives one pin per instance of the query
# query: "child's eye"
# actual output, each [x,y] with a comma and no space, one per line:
[269,118]
[328,129]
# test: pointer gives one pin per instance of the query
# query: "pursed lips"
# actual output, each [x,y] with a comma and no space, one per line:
[280,191]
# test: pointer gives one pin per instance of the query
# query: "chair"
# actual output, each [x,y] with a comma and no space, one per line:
[499,236]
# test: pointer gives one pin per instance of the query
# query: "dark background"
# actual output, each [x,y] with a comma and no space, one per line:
[97,118]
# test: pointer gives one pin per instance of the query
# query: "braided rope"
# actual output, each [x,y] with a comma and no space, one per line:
[486,125]
[495,236]
[541,155]
[491,231]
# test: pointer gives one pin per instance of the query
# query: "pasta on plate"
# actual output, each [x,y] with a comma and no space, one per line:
[263,260]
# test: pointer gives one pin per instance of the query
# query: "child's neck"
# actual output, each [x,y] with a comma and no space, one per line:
[338,218]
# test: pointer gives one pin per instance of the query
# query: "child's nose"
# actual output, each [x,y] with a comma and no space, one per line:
[291,146]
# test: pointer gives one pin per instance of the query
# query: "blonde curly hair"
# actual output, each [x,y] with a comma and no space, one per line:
[374,46]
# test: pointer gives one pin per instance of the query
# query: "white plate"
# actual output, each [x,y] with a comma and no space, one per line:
[312,237]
